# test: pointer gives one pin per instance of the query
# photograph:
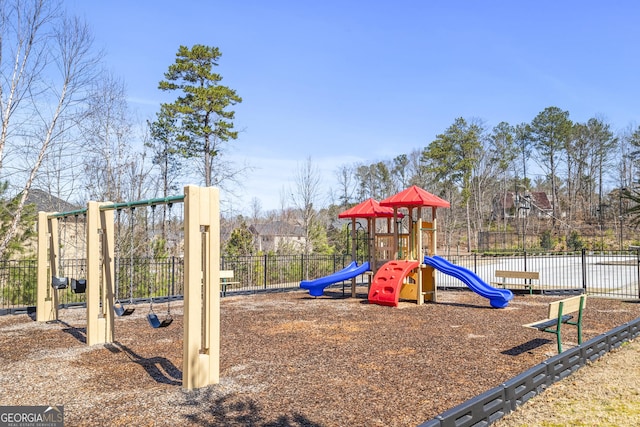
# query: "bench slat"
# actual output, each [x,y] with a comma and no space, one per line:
[532,275]
[569,305]
[226,274]
[547,323]
[517,285]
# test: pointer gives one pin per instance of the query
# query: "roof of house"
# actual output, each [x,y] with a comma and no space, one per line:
[539,200]
[46,202]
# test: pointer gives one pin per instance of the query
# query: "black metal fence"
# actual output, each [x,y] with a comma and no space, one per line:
[611,274]
[274,272]
[18,284]
[141,279]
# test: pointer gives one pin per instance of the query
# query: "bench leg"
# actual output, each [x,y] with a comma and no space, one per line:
[579,332]
[559,338]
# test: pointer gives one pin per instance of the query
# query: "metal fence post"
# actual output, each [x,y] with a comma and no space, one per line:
[525,260]
[266,263]
[584,269]
[638,269]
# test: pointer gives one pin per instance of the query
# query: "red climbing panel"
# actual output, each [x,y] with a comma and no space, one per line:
[386,285]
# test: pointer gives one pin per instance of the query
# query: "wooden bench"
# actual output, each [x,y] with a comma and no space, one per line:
[559,313]
[225,280]
[527,276]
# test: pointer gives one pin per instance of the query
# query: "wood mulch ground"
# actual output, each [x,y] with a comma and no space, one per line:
[288,360]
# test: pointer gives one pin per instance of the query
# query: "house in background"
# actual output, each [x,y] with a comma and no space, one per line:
[276,235]
[512,205]
[45,202]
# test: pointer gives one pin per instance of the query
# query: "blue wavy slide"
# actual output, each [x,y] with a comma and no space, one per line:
[498,298]
[316,287]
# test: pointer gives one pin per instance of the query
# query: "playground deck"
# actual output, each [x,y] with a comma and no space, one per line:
[288,360]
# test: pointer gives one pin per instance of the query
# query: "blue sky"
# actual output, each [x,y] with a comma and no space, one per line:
[362,81]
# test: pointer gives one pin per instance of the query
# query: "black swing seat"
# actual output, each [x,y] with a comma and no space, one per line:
[120,310]
[59,282]
[156,323]
[79,286]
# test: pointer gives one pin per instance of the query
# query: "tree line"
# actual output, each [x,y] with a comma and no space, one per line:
[587,170]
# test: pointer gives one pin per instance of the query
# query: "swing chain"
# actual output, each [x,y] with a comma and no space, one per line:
[117,250]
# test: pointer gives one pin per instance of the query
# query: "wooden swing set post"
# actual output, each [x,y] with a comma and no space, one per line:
[100,274]
[44,298]
[201,348]
[48,261]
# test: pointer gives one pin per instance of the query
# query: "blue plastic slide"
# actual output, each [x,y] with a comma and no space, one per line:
[498,298]
[316,287]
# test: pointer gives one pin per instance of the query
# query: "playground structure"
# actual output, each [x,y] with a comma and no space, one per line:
[201,348]
[402,253]
[405,276]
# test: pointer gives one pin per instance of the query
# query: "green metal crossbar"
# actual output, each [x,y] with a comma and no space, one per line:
[114,206]
[68,213]
[148,202]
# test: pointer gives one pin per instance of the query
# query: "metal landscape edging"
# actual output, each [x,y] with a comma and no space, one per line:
[494,404]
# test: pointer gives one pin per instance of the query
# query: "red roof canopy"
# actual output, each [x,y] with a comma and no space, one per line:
[415,196]
[368,209]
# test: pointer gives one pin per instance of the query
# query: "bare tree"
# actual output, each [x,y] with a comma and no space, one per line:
[347,184]
[626,169]
[107,133]
[305,195]
[49,65]
[256,209]
[112,169]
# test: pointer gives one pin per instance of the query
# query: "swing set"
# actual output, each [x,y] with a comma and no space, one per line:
[60,281]
[104,252]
